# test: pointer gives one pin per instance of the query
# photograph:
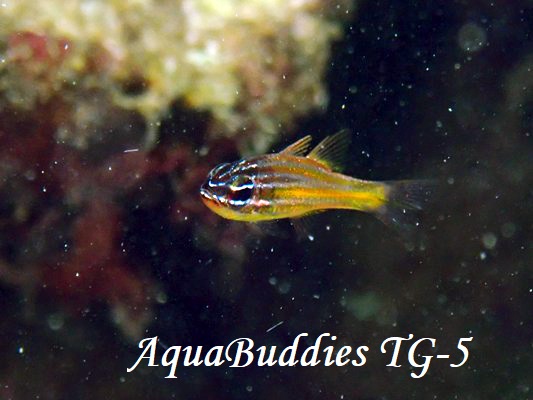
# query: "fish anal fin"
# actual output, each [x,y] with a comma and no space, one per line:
[332,151]
[298,148]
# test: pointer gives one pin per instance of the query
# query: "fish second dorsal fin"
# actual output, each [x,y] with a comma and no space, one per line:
[332,151]
[298,148]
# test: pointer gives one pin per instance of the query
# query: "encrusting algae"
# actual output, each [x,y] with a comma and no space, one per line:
[255,66]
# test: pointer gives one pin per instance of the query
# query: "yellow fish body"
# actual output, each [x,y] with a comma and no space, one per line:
[292,184]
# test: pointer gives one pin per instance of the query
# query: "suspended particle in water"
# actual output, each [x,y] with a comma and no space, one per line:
[489,240]
[55,321]
[161,297]
[471,37]
[284,287]
[508,229]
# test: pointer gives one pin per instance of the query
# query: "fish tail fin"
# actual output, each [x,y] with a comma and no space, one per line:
[405,200]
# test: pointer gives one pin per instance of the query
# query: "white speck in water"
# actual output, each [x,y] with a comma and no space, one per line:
[249,388]
[311,237]
[482,255]
[328,227]
[44,189]
[77,274]
[21,350]
[274,326]
[273,280]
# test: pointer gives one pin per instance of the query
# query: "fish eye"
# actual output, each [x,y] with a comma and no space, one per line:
[241,190]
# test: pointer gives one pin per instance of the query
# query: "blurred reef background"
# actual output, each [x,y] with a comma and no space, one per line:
[111,115]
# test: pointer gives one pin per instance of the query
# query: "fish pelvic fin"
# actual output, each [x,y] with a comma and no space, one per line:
[298,148]
[405,201]
[332,151]
[303,226]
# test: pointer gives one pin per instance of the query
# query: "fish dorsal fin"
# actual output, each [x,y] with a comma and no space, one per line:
[298,148]
[332,151]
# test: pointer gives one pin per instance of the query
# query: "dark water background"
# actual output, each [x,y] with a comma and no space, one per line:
[420,106]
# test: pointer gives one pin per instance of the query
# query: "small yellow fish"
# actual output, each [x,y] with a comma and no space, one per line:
[291,184]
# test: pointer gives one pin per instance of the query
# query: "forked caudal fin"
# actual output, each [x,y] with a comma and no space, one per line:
[405,200]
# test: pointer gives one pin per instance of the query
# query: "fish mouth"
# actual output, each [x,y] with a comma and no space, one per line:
[207,196]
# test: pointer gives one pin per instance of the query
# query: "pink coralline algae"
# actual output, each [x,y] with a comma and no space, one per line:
[62,214]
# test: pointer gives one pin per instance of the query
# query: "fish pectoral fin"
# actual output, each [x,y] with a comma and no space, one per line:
[298,148]
[332,151]
[270,228]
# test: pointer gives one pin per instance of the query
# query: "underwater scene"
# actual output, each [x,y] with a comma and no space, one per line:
[266,199]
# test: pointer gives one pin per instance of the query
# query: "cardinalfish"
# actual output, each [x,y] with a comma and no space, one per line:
[295,183]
